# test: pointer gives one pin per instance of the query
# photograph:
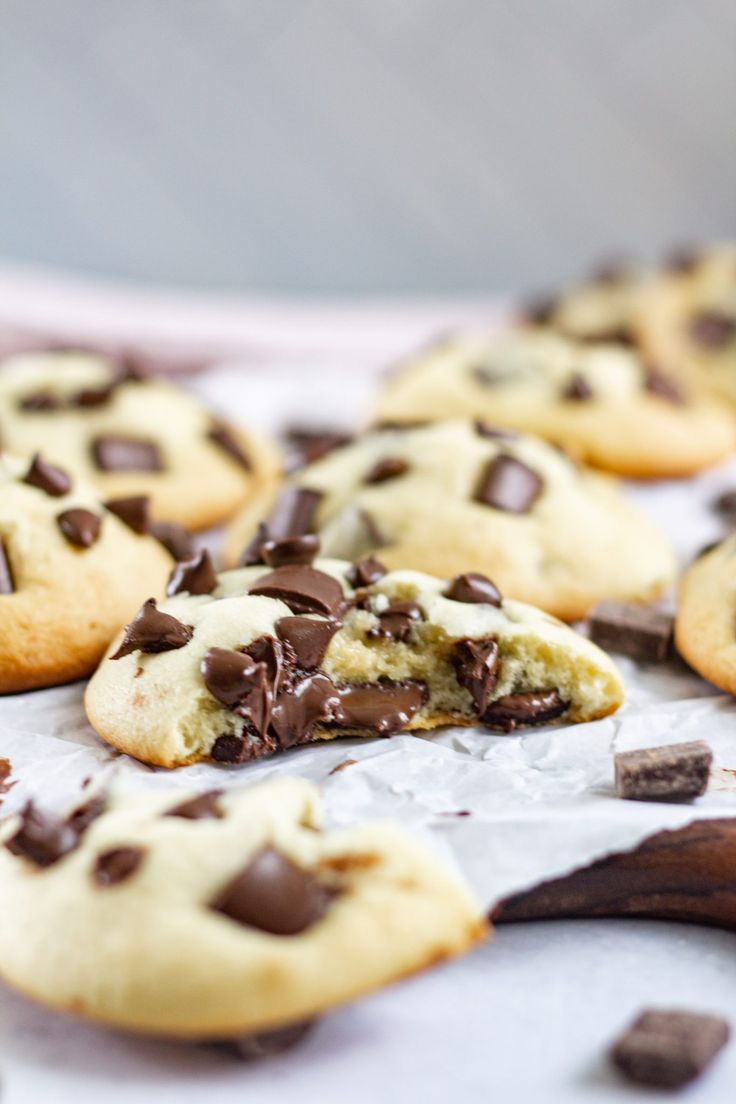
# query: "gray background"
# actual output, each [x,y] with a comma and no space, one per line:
[362,145]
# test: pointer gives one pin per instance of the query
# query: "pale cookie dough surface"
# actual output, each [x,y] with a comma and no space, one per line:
[705,627]
[601,308]
[151,951]
[60,602]
[599,401]
[579,541]
[199,483]
[687,322]
[158,707]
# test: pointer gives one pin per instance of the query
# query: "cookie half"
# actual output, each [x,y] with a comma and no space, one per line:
[459,496]
[705,626]
[603,402]
[271,658]
[71,572]
[128,435]
[215,915]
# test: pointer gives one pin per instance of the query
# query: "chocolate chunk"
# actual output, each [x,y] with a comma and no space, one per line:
[175,539]
[195,576]
[534,708]
[540,311]
[241,683]
[126,454]
[308,637]
[507,484]
[713,329]
[726,504]
[657,383]
[683,258]
[204,806]
[308,445]
[6,575]
[134,511]
[229,748]
[676,772]
[577,389]
[41,837]
[92,397]
[117,865]
[40,402]
[302,588]
[613,335]
[390,467]
[80,527]
[293,514]
[290,550]
[637,631]
[668,1049]
[81,817]
[612,271]
[474,587]
[301,705]
[366,572]
[268,651]
[265,1044]
[476,669]
[151,631]
[494,432]
[396,621]
[488,377]
[252,554]
[53,481]
[385,707]
[274,895]
[223,436]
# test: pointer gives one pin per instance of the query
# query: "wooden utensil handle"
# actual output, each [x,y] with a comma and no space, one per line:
[686,874]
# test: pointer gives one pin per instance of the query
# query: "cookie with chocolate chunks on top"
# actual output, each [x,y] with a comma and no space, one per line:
[130,436]
[705,621]
[471,501]
[71,573]
[607,403]
[219,916]
[268,660]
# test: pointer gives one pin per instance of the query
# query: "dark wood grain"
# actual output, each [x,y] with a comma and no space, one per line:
[685,874]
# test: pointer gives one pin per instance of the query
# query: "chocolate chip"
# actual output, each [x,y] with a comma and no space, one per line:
[668,1049]
[677,772]
[93,397]
[268,651]
[6,575]
[612,271]
[238,681]
[292,516]
[540,310]
[683,258]
[384,707]
[301,705]
[41,837]
[366,572]
[80,527]
[657,383]
[614,335]
[494,432]
[134,511]
[396,621]
[84,815]
[223,436]
[713,329]
[291,550]
[534,708]
[175,539]
[507,484]
[117,865]
[53,481]
[577,389]
[390,467]
[474,587]
[152,631]
[637,631]
[308,445]
[476,669]
[487,377]
[308,637]
[40,402]
[726,504]
[204,806]
[274,895]
[195,576]
[302,588]
[229,748]
[126,454]
[265,1044]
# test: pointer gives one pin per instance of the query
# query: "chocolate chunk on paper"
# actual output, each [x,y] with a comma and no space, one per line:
[667,1049]
[152,631]
[80,527]
[134,511]
[508,484]
[115,453]
[675,772]
[7,585]
[475,588]
[302,588]
[637,631]
[274,895]
[195,576]
[49,479]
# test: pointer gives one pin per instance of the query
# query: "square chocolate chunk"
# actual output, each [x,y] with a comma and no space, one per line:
[676,772]
[669,1049]
[637,631]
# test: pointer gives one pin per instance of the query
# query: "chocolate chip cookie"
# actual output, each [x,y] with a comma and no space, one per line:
[705,625]
[218,915]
